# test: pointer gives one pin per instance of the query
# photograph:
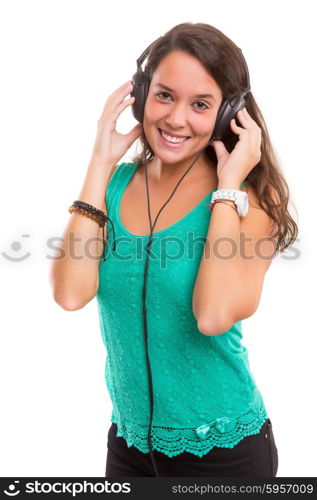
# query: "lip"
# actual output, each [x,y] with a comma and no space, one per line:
[171,134]
[170,145]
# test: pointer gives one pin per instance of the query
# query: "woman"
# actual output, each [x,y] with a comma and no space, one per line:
[205,272]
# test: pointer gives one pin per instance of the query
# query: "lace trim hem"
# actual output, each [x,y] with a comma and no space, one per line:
[222,432]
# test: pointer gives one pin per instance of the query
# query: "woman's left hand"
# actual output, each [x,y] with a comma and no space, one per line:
[233,168]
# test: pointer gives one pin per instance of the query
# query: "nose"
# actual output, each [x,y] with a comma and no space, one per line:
[176,117]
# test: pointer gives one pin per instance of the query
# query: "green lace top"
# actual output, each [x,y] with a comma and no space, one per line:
[204,392]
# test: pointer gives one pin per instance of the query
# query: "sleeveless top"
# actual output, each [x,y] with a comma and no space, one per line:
[204,392]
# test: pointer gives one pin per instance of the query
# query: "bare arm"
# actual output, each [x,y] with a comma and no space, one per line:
[74,274]
[231,273]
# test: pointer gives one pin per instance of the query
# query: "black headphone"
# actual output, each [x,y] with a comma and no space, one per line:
[228,110]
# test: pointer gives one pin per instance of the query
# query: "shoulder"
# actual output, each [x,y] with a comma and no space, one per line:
[254,199]
[120,170]
[257,222]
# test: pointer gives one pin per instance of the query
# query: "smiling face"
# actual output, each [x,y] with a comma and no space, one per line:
[183,101]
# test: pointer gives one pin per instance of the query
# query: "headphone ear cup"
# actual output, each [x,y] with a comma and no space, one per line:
[227,111]
[140,91]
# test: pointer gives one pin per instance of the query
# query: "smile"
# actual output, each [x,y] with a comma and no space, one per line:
[172,141]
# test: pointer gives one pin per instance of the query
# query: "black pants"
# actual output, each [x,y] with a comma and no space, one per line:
[253,456]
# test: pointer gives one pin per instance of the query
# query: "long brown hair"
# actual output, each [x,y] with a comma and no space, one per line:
[222,59]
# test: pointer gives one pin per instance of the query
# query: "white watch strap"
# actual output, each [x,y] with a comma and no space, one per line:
[240,198]
[227,194]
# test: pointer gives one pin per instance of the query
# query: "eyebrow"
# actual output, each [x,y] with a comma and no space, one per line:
[200,96]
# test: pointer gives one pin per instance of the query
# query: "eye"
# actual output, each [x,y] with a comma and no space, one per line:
[206,107]
[159,94]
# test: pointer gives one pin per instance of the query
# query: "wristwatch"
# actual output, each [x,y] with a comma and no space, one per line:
[240,199]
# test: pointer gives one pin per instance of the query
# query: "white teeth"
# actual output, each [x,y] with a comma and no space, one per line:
[173,139]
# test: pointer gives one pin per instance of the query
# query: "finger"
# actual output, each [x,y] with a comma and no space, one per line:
[115,111]
[247,114]
[236,127]
[119,94]
[119,89]
[134,133]
[220,149]
[124,104]
[116,103]
[243,119]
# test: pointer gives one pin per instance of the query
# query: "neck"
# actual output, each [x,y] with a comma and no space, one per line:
[160,172]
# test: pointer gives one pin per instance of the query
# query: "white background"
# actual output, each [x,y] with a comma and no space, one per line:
[59,62]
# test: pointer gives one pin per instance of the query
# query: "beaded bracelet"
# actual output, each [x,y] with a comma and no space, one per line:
[97,215]
[211,206]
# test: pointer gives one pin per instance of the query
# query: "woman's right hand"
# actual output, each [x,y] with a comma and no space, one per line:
[109,145]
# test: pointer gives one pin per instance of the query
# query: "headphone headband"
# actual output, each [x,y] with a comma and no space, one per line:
[144,54]
[248,87]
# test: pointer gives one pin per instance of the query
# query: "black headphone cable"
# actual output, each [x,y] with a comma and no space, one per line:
[144,294]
